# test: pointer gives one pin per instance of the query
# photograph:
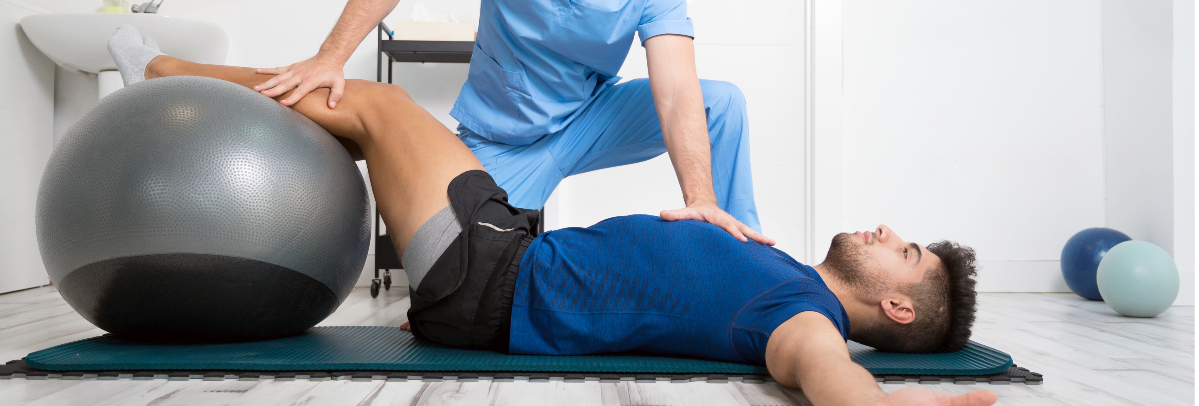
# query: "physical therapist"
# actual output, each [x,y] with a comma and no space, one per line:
[542,101]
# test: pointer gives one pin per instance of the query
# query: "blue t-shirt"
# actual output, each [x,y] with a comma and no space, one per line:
[640,283]
[538,63]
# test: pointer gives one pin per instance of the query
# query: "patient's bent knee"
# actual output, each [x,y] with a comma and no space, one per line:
[376,90]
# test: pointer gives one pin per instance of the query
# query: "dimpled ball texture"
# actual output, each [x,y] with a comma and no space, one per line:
[194,209]
[1138,279]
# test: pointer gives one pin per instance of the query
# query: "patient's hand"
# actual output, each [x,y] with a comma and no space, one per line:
[711,213]
[920,396]
[406,326]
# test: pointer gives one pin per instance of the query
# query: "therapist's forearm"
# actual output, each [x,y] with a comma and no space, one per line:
[685,132]
[356,21]
[680,105]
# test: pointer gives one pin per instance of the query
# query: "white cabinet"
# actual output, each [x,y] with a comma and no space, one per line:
[26,139]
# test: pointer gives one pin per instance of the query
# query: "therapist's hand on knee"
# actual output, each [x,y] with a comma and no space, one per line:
[711,213]
[304,76]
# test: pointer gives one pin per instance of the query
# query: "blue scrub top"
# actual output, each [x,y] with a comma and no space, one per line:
[538,63]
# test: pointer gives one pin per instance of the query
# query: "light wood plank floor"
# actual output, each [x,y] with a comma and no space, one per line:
[1088,354]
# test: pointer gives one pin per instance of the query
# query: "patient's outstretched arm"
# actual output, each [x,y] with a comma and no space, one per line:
[808,352]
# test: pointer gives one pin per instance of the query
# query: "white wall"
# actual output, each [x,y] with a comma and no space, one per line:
[977,122]
[1183,72]
[26,111]
[759,46]
[1147,81]
[1137,119]
[1011,125]
[826,55]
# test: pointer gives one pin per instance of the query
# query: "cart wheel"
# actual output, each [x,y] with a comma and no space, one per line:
[387,281]
[375,288]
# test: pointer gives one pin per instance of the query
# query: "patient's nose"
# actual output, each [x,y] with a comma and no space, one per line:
[884,233]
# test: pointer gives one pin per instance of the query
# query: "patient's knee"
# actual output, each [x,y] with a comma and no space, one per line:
[379,103]
[375,91]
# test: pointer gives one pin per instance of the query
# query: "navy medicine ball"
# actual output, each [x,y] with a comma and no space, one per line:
[1081,256]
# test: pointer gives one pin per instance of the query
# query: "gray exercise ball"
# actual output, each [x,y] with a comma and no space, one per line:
[194,209]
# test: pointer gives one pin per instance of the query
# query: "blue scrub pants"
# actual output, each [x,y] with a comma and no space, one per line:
[619,128]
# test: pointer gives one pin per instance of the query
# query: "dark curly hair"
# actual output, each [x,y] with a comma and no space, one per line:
[944,303]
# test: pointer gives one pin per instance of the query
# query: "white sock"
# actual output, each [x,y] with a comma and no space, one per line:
[131,53]
[150,43]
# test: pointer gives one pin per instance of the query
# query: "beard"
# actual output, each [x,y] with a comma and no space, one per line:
[851,264]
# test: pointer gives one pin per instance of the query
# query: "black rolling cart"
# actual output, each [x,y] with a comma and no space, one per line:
[386,257]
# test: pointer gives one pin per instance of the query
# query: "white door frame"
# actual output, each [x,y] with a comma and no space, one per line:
[823,127]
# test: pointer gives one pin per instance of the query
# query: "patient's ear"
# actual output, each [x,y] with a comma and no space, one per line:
[898,307]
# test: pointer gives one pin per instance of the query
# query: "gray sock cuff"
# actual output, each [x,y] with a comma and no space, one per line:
[130,52]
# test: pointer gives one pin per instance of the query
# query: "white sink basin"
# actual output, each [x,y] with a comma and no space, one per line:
[79,42]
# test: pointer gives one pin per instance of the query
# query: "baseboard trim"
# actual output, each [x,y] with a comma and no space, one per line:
[1021,276]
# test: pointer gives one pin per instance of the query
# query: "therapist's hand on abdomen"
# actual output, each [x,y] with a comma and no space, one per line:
[711,213]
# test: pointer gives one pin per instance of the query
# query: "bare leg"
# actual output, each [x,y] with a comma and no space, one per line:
[412,157]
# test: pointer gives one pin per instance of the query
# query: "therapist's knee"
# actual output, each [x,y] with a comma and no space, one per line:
[722,97]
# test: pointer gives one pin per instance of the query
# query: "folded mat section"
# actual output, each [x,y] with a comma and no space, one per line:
[373,348]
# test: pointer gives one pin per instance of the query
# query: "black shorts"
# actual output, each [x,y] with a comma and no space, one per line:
[465,300]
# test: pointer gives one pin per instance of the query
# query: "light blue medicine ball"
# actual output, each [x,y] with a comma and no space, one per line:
[1138,279]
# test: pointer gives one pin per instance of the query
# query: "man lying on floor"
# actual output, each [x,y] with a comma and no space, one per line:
[482,279]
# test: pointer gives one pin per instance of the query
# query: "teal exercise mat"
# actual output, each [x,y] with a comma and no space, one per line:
[392,349]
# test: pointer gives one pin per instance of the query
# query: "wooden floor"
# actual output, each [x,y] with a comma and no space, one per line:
[1088,354]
